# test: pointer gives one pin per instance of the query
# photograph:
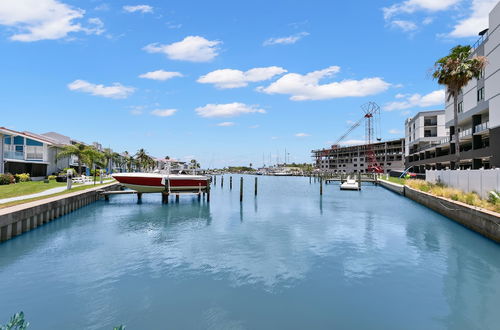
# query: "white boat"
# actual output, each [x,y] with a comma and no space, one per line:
[350,184]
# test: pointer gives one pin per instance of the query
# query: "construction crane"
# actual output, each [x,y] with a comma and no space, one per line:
[371,117]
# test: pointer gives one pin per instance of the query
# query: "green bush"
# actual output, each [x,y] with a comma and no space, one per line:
[23,177]
[52,177]
[7,178]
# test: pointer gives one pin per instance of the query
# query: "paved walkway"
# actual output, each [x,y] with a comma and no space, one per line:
[44,193]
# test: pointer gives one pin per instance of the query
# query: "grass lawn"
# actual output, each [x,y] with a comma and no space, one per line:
[397,180]
[73,189]
[27,188]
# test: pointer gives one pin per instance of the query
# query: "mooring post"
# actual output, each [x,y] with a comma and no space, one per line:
[359,179]
[177,198]
[139,196]
[320,186]
[230,183]
[106,197]
[208,193]
[256,186]
[215,180]
[309,179]
[164,197]
[222,181]
[241,189]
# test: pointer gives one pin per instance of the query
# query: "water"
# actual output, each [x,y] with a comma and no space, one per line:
[287,259]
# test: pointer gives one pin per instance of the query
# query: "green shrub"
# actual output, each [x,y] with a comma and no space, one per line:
[23,177]
[454,197]
[493,197]
[16,322]
[7,178]
[52,177]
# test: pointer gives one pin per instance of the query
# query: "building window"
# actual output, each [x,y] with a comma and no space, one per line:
[460,107]
[480,94]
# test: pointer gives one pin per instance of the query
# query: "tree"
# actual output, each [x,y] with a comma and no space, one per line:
[193,164]
[94,157]
[455,70]
[143,159]
[78,150]
[110,157]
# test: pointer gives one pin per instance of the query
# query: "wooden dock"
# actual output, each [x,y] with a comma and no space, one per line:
[164,194]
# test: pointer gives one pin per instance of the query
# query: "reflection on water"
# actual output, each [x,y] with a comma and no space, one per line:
[287,258]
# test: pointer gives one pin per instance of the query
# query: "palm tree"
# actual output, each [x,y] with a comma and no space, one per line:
[78,150]
[193,164]
[143,159]
[455,70]
[129,161]
[110,157]
[94,158]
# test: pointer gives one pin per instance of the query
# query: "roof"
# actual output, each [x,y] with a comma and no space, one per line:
[29,135]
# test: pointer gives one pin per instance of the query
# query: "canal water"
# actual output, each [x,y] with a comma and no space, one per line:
[286,259]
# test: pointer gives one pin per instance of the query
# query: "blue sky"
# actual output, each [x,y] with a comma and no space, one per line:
[225,82]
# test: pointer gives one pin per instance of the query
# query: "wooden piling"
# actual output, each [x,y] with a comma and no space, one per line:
[177,198]
[230,183]
[139,196]
[164,197]
[321,186]
[221,181]
[241,189]
[255,186]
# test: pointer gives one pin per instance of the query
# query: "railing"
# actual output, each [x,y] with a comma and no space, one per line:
[430,123]
[480,41]
[34,156]
[465,133]
[445,140]
[482,127]
[14,155]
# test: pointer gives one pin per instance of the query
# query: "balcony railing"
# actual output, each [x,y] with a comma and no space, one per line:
[14,155]
[482,127]
[465,133]
[445,140]
[430,123]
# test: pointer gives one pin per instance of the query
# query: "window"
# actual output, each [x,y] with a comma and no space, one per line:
[480,94]
[460,107]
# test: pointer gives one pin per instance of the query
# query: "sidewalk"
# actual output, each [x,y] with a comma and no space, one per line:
[43,193]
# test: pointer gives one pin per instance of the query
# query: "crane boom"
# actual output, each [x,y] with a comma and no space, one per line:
[352,128]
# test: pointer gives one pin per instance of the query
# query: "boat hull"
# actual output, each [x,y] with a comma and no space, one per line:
[146,182]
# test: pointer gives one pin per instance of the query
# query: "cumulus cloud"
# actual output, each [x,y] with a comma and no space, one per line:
[115,91]
[406,26]
[307,87]
[302,135]
[395,131]
[434,98]
[476,21]
[160,75]
[229,78]
[138,8]
[227,110]
[163,112]
[226,124]
[411,6]
[285,40]
[34,20]
[191,48]
[352,142]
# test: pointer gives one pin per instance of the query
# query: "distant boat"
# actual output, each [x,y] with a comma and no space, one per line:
[157,182]
[350,184]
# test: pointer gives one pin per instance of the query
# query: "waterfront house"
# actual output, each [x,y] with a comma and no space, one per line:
[24,152]
[60,141]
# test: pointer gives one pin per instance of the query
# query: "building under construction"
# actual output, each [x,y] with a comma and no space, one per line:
[389,156]
[372,157]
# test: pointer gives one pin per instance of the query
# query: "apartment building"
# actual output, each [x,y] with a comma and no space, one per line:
[352,159]
[479,107]
[426,137]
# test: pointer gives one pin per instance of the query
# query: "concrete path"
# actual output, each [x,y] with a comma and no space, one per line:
[44,193]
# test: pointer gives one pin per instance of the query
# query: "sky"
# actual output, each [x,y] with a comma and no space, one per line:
[224,82]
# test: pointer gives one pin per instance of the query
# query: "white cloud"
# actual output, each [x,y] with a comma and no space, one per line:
[395,131]
[229,78]
[411,6]
[307,87]
[115,91]
[191,48]
[406,26]
[285,40]
[434,98]
[35,20]
[227,110]
[136,112]
[164,112]
[254,126]
[226,124]
[302,135]
[477,21]
[140,8]
[160,75]
[352,142]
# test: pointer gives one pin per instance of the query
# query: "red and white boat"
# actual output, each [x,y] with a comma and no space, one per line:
[157,182]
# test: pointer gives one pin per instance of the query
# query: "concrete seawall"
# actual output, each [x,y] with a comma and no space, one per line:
[482,221]
[15,220]
[397,188]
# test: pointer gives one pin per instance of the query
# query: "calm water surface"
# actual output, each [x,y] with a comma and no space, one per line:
[287,259]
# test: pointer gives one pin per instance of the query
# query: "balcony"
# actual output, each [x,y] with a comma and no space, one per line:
[429,122]
[18,155]
[482,127]
[446,140]
[465,133]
